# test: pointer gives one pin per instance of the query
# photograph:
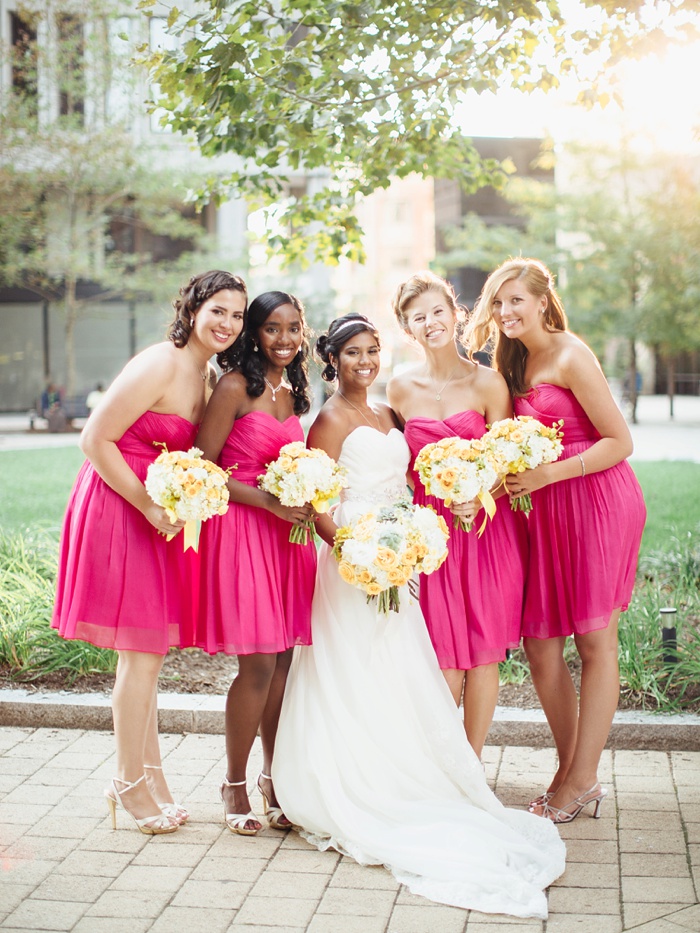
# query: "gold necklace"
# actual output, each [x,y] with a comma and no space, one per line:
[360,412]
[282,385]
[202,373]
[438,394]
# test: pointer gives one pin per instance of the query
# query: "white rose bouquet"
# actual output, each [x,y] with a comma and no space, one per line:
[382,550]
[189,488]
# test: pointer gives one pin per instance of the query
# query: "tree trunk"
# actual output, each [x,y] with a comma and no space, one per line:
[70,306]
[632,379]
[670,384]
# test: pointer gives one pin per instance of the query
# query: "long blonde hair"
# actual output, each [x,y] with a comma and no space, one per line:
[510,354]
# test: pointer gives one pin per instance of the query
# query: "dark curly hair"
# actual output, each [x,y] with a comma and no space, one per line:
[244,356]
[192,297]
[339,332]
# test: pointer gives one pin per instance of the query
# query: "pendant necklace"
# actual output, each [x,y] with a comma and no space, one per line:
[360,412]
[438,394]
[202,373]
[275,389]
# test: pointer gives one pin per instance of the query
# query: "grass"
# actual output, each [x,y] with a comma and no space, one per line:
[35,487]
[37,483]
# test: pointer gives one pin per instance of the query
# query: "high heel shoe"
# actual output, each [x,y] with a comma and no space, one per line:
[150,825]
[236,822]
[275,815]
[174,810]
[564,815]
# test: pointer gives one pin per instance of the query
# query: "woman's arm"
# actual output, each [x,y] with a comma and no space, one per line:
[328,433]
[140,387]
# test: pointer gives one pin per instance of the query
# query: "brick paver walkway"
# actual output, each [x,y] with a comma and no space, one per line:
[64,868]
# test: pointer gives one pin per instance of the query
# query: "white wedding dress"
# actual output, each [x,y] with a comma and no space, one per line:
[371,756]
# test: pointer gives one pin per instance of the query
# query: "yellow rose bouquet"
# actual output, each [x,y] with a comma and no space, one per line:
[302,475]
[519,444]
[457,470]
[189,488]
[382,550]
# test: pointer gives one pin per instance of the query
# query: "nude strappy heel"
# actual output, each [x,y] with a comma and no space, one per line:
[174,810]
[564,815]
[150,825]
[236,822]
[275,815]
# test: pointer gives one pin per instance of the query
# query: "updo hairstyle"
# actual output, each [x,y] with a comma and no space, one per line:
[339,332]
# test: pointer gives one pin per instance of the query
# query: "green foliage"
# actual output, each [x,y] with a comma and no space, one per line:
[28,645]
[673,507]
[358,93]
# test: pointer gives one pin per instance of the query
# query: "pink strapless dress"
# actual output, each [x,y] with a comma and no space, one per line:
[121,584]
[584,532]
[256,587]
[473,603]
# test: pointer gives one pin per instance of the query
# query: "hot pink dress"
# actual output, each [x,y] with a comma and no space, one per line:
[256,587]
[472,604]
[121,584]
[584,532]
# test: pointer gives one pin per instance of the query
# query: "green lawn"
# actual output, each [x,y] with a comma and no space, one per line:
[36,485]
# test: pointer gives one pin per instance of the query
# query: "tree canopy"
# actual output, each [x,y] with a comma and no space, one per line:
[356,92]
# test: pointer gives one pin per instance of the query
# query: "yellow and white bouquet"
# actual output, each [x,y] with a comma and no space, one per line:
[458,470]
[302,475]
[189,488]
[382,550]
[522,443]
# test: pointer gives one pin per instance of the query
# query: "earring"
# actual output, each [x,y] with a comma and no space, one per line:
[255,346]
[192,321]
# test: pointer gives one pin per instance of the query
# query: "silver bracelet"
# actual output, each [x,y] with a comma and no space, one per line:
[583,465]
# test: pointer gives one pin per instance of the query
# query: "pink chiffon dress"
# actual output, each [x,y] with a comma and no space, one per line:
[120,584]
[256,587]
[584,532]
[473,603]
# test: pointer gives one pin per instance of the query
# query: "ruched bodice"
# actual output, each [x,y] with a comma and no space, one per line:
[472,604]
[142,442]
[549,403]
[376,465]
[255,441]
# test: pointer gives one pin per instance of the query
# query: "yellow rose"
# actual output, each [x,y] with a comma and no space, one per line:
[386,558]
[398,576]
[373,589]
[346,572]
[364,577]
[446,478]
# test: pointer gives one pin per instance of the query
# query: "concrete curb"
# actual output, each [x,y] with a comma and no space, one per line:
[182,713]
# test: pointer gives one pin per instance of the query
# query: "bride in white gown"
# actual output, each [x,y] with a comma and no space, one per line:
[371,756]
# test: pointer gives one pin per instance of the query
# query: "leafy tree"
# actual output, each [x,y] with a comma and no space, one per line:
[80,195]
[625,243]
[359,92]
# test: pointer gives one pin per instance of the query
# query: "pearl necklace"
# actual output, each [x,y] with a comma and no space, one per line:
[438,394]
[202,373]
[360,412]
[274,390]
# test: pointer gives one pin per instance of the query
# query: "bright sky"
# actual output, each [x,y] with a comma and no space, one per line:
[661,94]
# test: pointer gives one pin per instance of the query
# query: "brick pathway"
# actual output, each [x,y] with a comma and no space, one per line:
[63,868]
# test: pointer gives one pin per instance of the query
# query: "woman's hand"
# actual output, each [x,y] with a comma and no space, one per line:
[522,484]
[467,511]
[295,515]
[158,517]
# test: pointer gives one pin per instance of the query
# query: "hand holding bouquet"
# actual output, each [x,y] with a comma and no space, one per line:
[382,549]
[189,488]
[303,475]
[519,444]
[457,470]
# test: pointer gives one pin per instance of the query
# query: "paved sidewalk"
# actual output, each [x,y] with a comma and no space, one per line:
[63,868]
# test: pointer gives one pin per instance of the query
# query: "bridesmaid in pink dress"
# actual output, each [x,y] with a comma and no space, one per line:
[257,588]
[120,584]
[585,527]
[472,604]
